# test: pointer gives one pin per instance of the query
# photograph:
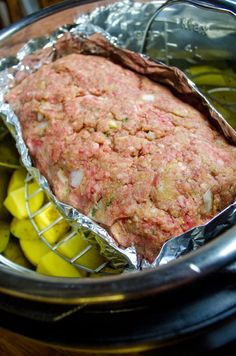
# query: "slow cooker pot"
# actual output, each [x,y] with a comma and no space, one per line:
[191,299]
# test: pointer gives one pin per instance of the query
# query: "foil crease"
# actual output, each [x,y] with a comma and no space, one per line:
[86,36]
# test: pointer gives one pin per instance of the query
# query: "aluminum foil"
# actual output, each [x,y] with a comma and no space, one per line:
[86,36]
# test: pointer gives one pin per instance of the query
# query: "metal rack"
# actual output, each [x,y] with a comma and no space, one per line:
[68,236]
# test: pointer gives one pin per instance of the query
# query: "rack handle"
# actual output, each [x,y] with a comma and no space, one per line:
[226,5]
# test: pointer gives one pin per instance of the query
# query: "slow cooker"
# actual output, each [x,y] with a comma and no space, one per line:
[189,301]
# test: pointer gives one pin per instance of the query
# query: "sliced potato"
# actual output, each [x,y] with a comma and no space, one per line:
[4,179]
[75,245]
[47,217]
[4,235]
[16,203]
[23,229]
[34,250]
[17,180]
[53,265]
[14,253]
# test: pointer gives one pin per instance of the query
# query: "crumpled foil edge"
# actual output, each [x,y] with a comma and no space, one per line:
[174,247]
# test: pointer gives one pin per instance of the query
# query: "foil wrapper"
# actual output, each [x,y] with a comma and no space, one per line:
[86,36]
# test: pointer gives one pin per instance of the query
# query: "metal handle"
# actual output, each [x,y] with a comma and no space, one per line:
[227,6]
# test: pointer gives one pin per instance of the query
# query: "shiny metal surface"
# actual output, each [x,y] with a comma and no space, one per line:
[196,265]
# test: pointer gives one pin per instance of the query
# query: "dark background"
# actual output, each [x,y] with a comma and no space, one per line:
[13,10]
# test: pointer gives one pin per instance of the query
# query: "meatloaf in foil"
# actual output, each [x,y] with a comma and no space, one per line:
[124,150]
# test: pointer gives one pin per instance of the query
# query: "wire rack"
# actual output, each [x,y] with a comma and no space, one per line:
[85,243]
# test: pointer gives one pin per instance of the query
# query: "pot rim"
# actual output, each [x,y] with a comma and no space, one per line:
[194,266]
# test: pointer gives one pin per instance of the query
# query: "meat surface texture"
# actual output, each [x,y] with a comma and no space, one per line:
[124,150]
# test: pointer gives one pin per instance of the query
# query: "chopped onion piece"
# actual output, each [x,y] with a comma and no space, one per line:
[61,175]
[151,135]
[40,116]
[76,178]
[148,97]
[207,198]
[45,105]
[112,124]
[42,125]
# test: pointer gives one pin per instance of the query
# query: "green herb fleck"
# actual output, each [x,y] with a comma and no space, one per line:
[108,203]
[94,211]
[126,119]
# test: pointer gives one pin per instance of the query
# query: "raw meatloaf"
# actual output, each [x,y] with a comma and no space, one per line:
[124,150]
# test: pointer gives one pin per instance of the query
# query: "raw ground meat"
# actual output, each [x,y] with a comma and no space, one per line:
[124,150]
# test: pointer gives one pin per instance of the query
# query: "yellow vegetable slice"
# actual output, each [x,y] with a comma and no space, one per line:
[71,248]
[212,76]
[17,180]
[16,203]
[4,179]
[23,229]
[215,79]
[202,69]
[53,265]
[34,250]
[4,235]
[224,95]
[14,253]
[46,218]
